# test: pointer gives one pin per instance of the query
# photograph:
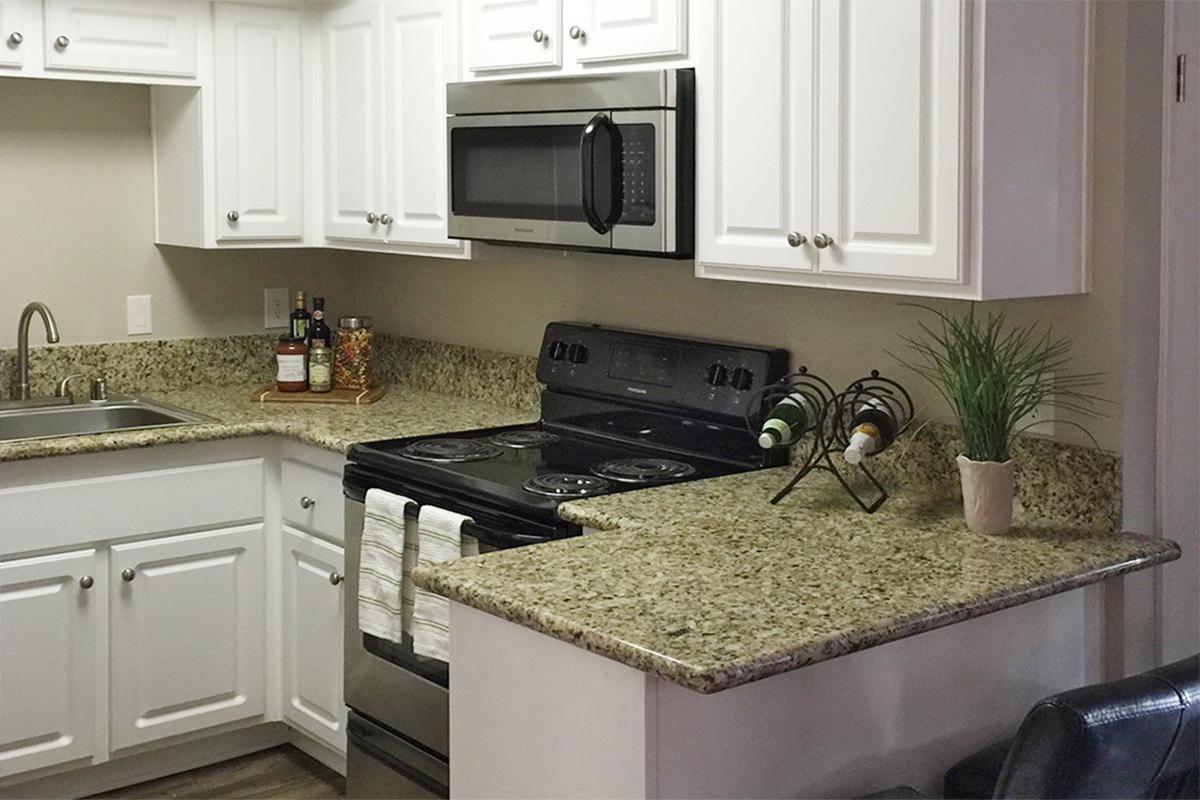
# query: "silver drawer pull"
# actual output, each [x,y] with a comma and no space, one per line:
[335,578]
[128,574]
[15,38]
[86,582]
[540,36]
[307,502]
[61,42]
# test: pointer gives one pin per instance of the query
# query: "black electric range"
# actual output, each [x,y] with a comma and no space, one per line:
[622,410]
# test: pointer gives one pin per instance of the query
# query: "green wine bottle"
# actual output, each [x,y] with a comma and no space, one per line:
[788,421]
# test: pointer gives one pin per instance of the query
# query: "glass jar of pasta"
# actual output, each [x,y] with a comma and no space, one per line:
[353,353]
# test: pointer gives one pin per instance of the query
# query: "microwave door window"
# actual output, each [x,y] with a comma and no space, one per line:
[518,172]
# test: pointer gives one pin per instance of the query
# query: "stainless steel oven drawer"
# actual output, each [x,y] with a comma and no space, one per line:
[381,764]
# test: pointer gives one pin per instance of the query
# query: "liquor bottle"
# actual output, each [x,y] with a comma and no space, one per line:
[318,331]
[790,419]
[300,318]
[874,427]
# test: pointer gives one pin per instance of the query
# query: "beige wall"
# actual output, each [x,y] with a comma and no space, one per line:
[77,225]
[76,230]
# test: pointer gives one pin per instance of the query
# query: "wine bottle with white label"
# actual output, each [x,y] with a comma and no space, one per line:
[875,425]
[789,420]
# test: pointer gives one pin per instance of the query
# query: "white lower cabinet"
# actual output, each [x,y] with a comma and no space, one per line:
[188,630]
[51,609]
[313,603]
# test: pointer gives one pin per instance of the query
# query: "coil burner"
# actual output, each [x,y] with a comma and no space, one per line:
[564,484]
[450,451]
[646,469]
[523,440]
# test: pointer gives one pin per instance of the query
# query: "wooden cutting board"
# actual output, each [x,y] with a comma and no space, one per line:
[355,397]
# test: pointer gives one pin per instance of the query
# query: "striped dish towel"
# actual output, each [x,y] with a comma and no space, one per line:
[441,539]
[385,564]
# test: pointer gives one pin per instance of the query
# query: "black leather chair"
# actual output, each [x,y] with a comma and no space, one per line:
[1138,737]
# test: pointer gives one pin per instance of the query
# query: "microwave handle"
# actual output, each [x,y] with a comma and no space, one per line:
[600,156]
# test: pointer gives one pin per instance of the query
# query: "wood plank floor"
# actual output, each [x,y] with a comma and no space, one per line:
[275,774]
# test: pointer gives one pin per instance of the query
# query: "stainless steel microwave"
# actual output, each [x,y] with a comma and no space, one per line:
[604,162]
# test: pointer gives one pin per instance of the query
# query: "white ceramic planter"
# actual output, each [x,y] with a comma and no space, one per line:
[987,488]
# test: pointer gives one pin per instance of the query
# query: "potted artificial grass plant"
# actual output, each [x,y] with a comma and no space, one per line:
[993,375]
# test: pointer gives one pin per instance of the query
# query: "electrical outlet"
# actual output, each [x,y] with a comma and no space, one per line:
[275,308]
[1043,415]
[137,314]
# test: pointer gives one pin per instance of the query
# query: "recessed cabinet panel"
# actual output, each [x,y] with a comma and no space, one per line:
[891,76]
[512,34]
[610,30]
[191,605]
[421,56]
[134,36]
[754,138]
[313,598]
[14,37]
[259,126]
[48,641]
[353,150]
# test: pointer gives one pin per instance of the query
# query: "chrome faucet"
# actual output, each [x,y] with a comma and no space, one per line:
[23,343]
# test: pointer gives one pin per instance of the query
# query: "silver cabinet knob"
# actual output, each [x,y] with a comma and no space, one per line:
[576,32]
[232,216]
[335,578]
[86,582]
[385,219]
[540,36]
[307,502]
[61,42]
[371,218]
[15,38]
[128,574]
[823,240]
[796,239]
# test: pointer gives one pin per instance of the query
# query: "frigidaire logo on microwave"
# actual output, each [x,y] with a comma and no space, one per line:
[523,230]
[635,390]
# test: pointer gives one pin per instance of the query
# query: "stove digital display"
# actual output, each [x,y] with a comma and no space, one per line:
[643,364]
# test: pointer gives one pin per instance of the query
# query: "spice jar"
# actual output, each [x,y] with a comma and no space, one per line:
[353,353]
[290,372]
[320,367]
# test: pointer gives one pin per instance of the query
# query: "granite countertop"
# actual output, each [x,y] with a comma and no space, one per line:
[708,585]
[400,412]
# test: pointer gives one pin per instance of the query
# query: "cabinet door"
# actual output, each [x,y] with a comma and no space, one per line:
[421,54]
[48,660]
[754,137]
[611,30]
[135,36]
[313,600]
[353,143]
[187,632]
[259,123]
[513,34]
[14,41]
[891,78]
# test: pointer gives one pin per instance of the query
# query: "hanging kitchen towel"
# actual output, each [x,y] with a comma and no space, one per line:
[385,566]
[441,539]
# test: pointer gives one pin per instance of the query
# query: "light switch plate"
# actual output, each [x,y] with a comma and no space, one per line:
[137,313]
[275,308]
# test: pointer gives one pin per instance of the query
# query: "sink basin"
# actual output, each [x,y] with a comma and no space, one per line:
[73,420]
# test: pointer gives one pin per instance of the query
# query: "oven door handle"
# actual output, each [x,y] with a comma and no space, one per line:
[600,157]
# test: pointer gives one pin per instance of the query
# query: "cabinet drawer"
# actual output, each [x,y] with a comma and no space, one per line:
[68,513]
[311,498]
[130,36]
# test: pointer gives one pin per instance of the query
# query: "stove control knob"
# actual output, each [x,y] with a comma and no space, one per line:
[716,375]
[741,379]
[577,354]
[557,351]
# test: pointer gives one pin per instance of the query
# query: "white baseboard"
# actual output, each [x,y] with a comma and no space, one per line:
[319,750]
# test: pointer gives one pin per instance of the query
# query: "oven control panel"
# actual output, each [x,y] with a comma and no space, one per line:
[691,374]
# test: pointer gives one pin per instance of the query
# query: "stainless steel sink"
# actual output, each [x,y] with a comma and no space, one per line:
[82,418]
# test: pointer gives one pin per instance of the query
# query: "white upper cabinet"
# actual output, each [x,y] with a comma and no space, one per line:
[259,123]
[14,36]
[129,36]
[755,126]
[893,145]
[189,605]
[50,612]
[421,56]
[613,30]
[353,146]
[512,34]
